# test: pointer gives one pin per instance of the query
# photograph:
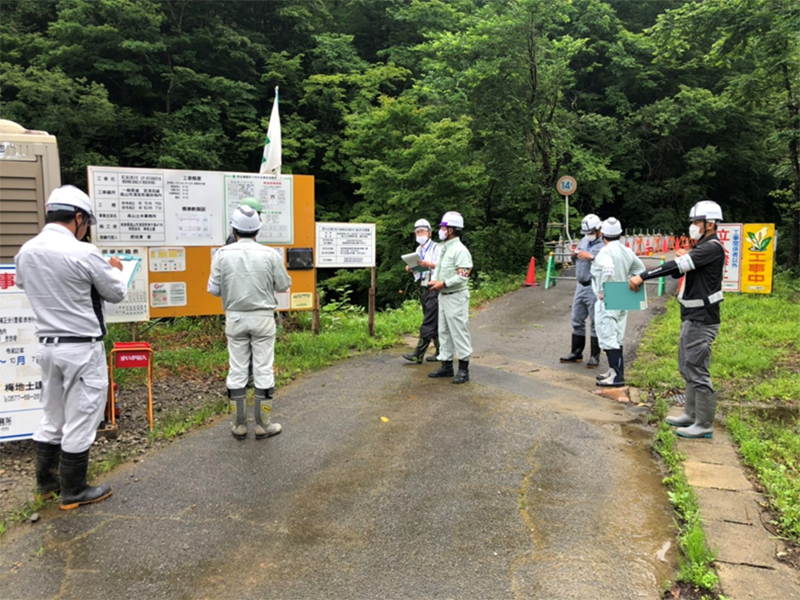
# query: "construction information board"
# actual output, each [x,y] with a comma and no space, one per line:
[345,245]
[161,207]
[20,375]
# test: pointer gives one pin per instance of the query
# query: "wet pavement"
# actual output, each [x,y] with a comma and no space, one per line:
[386,484]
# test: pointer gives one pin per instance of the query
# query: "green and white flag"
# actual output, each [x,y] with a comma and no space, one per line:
[271,161]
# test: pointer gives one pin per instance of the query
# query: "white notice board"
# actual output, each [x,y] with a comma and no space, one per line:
[20,375]
[274,193]
[345,245]
[730,234]
[134,308]
[163,207]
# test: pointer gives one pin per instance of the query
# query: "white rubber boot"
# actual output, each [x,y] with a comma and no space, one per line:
[688,416]
[703,427]
[262,401]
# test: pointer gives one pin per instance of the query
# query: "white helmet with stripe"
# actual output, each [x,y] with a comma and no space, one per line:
[590,223]
[706,210]
[245,219]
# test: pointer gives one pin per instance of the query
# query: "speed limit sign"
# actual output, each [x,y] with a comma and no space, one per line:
[567,185]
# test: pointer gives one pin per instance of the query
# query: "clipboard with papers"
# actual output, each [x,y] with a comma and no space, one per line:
[411,261]
[130,265]
[617,295]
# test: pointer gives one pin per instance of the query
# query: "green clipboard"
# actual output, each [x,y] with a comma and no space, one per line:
[618,296]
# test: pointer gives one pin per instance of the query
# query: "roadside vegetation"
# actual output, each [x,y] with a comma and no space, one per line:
[756,369]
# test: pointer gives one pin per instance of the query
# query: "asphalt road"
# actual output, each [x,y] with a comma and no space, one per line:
[386,484]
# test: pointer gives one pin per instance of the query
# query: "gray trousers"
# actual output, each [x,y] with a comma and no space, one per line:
[250,334]
[583,308]
[74,394]
[453,326]
[694,354]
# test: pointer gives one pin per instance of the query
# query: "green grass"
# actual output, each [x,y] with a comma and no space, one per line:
[695,558]
[177,422]
[772,449]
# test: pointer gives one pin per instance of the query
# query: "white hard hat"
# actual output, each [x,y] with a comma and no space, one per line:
[705,210]
[452,219]
[422,223]
[590,223]
[245,219]
[70,198]
[611,227]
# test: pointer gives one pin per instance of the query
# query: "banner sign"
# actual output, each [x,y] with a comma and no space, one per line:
[758,255]
[345,245]
[20,376]
[730,234]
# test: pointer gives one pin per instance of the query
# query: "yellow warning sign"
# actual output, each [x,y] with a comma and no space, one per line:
[302,300]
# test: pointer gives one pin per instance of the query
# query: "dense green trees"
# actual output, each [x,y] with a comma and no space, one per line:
[407,108]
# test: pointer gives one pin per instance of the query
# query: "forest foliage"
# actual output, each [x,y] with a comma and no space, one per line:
[403,109]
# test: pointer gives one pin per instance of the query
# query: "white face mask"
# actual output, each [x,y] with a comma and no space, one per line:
[422,239]
[695,232]
[443,234]
[591,237]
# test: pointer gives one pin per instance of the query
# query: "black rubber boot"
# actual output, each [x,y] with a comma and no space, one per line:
[578,342]
[48,457]
[262,401]
[616,377]
[74,489]
[607,373]
[419,351]
[463,372]
[444,370]
[435,356]
[594,359]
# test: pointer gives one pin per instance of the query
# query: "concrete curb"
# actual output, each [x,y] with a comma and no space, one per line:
[732,513]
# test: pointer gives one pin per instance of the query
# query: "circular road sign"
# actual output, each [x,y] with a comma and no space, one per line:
[566,185]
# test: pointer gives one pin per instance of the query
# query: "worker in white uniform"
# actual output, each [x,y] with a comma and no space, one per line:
[614,262]
[246,275]
[428,252]
[66,282]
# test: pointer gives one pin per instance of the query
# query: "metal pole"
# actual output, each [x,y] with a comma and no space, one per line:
[661,283]
[372,303]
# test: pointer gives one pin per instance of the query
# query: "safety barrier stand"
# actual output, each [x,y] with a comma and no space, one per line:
[131,355]
[661,282]
[550,280]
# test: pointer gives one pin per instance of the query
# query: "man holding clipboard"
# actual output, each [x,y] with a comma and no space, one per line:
[66,281]
[614,262]
[421,263]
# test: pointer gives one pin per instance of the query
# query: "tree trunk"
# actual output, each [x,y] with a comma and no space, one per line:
[793,259]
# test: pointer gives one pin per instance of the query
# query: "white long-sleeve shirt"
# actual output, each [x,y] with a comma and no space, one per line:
[66,281]
[247,275]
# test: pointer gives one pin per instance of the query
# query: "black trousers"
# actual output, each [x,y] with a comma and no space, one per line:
[430,314]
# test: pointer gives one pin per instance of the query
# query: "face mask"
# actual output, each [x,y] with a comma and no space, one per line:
[695,232]
[443,234]
[591,238]
[422,239]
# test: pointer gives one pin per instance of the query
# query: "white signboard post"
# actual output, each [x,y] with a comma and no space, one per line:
[730,234]
[345,245]
[20,376]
